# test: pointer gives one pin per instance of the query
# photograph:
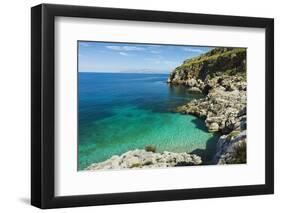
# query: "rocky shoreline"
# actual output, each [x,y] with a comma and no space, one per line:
[220,75]
[224,107]
[140,158]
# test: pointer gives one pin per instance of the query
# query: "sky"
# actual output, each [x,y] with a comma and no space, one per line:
[132,57]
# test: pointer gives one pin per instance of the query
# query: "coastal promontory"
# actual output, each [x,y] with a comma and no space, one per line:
[220,74]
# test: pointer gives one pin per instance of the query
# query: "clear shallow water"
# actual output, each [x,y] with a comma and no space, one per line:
[121,112]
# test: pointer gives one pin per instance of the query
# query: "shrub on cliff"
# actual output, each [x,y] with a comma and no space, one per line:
[150,148]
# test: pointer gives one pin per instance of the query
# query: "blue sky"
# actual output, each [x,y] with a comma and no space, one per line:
[132,57]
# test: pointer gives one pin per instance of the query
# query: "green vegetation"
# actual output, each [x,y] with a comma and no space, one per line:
[238,73]
[150,148]
[135,165]
[147,163]
[233,134]
[183,163]
[228,61]
[215,54]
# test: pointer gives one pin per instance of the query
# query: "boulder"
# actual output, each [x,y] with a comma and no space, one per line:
[214,127]
[191,82]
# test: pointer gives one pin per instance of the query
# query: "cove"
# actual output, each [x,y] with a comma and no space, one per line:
[119,112]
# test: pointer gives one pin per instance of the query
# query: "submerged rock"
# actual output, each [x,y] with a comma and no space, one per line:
[194,89]
[145,159]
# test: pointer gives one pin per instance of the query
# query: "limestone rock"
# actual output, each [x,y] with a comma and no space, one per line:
[214,127]
[191,82]
[145,159]
[231,148]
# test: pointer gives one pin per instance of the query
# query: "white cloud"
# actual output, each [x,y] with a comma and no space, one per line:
[133,48]
[123,53]
[195,50]
[113,47]
[125,48]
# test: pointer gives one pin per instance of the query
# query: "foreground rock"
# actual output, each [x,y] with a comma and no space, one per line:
[144,159]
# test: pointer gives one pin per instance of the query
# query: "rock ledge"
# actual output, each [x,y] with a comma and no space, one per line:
[140,158]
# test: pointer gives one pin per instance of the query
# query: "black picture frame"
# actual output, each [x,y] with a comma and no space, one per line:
[43,113]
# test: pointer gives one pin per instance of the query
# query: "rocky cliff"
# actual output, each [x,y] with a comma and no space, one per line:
[221,75]
[219,61]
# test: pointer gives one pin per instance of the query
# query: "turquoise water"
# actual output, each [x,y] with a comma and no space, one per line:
[121,112]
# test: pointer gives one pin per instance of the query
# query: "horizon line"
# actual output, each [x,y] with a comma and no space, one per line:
[126,72]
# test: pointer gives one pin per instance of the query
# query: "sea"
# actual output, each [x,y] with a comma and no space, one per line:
[119,112]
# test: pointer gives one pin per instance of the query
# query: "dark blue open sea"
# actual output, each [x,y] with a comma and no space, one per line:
[120,112]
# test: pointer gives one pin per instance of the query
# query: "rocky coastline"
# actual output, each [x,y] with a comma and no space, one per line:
[221,75]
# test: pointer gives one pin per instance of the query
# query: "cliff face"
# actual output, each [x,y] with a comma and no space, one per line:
[219,61]
[221,75]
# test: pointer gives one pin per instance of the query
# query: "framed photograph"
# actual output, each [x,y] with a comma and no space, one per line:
[139,106]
